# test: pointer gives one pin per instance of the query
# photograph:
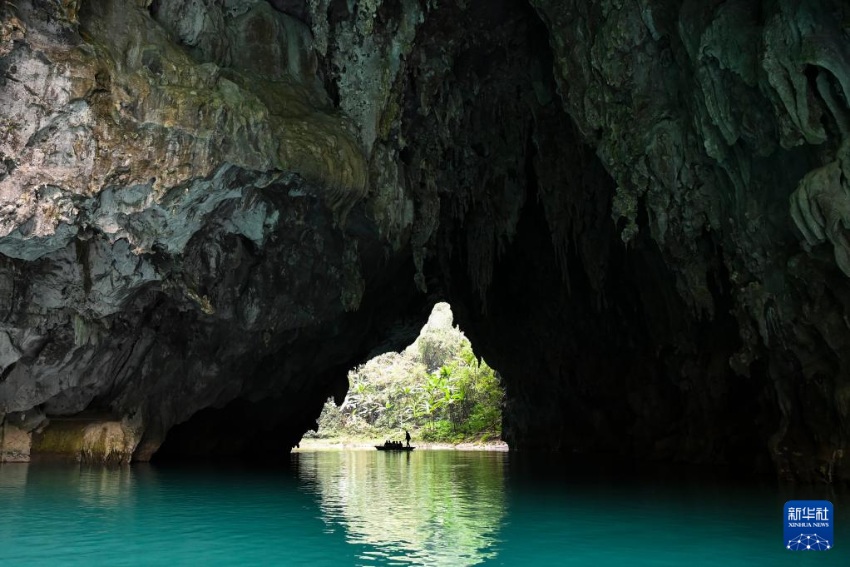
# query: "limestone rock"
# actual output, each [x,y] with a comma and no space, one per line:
[15,444]
[211,210]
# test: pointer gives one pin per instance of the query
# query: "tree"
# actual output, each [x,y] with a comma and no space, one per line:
[437,386]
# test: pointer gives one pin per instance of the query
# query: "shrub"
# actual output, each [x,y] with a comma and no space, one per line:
[437,388]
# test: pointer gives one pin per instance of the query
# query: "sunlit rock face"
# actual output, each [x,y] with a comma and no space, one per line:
[639,212]
[182,226]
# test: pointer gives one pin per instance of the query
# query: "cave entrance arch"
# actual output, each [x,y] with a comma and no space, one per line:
[436,388]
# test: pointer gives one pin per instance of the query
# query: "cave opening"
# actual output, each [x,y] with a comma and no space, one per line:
[581,313]
[640,297]
[217,214]
[437,389]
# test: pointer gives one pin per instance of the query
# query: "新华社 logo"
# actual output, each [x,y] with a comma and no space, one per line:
[809,525]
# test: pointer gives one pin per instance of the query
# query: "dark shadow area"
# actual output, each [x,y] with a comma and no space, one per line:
[601,357]
[241,431]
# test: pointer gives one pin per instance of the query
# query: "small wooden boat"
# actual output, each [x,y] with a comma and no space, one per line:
[386,447]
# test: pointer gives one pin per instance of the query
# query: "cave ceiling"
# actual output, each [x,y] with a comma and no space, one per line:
[640,212]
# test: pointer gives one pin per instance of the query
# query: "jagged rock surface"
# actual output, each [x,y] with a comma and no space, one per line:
[639,212]
[176,235]
[723,123]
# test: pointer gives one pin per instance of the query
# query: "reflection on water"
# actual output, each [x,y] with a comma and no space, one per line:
[371,508]
[333,508]
[434,508]
[103,487]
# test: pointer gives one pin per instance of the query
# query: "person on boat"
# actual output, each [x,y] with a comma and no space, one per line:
[407,437]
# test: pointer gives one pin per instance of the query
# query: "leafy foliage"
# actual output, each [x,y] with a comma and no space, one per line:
[437,388]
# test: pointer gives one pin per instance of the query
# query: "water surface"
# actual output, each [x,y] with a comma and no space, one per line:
[371,508]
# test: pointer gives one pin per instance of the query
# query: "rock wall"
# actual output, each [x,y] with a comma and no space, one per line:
[181,229]
[639,212]
[725,124]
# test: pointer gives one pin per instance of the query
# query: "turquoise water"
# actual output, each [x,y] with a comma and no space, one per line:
[371,508]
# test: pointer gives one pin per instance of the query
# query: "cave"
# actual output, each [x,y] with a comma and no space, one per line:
[639,215]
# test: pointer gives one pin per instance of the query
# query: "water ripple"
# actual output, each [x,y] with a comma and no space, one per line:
[371,508]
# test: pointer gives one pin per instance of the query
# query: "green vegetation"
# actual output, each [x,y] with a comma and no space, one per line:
[437,389]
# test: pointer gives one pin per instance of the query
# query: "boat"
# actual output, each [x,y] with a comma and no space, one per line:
[391,447]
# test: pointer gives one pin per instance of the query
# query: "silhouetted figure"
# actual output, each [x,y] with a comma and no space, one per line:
[407,437]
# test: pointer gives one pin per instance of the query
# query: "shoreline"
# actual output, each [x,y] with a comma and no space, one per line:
[363,444]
